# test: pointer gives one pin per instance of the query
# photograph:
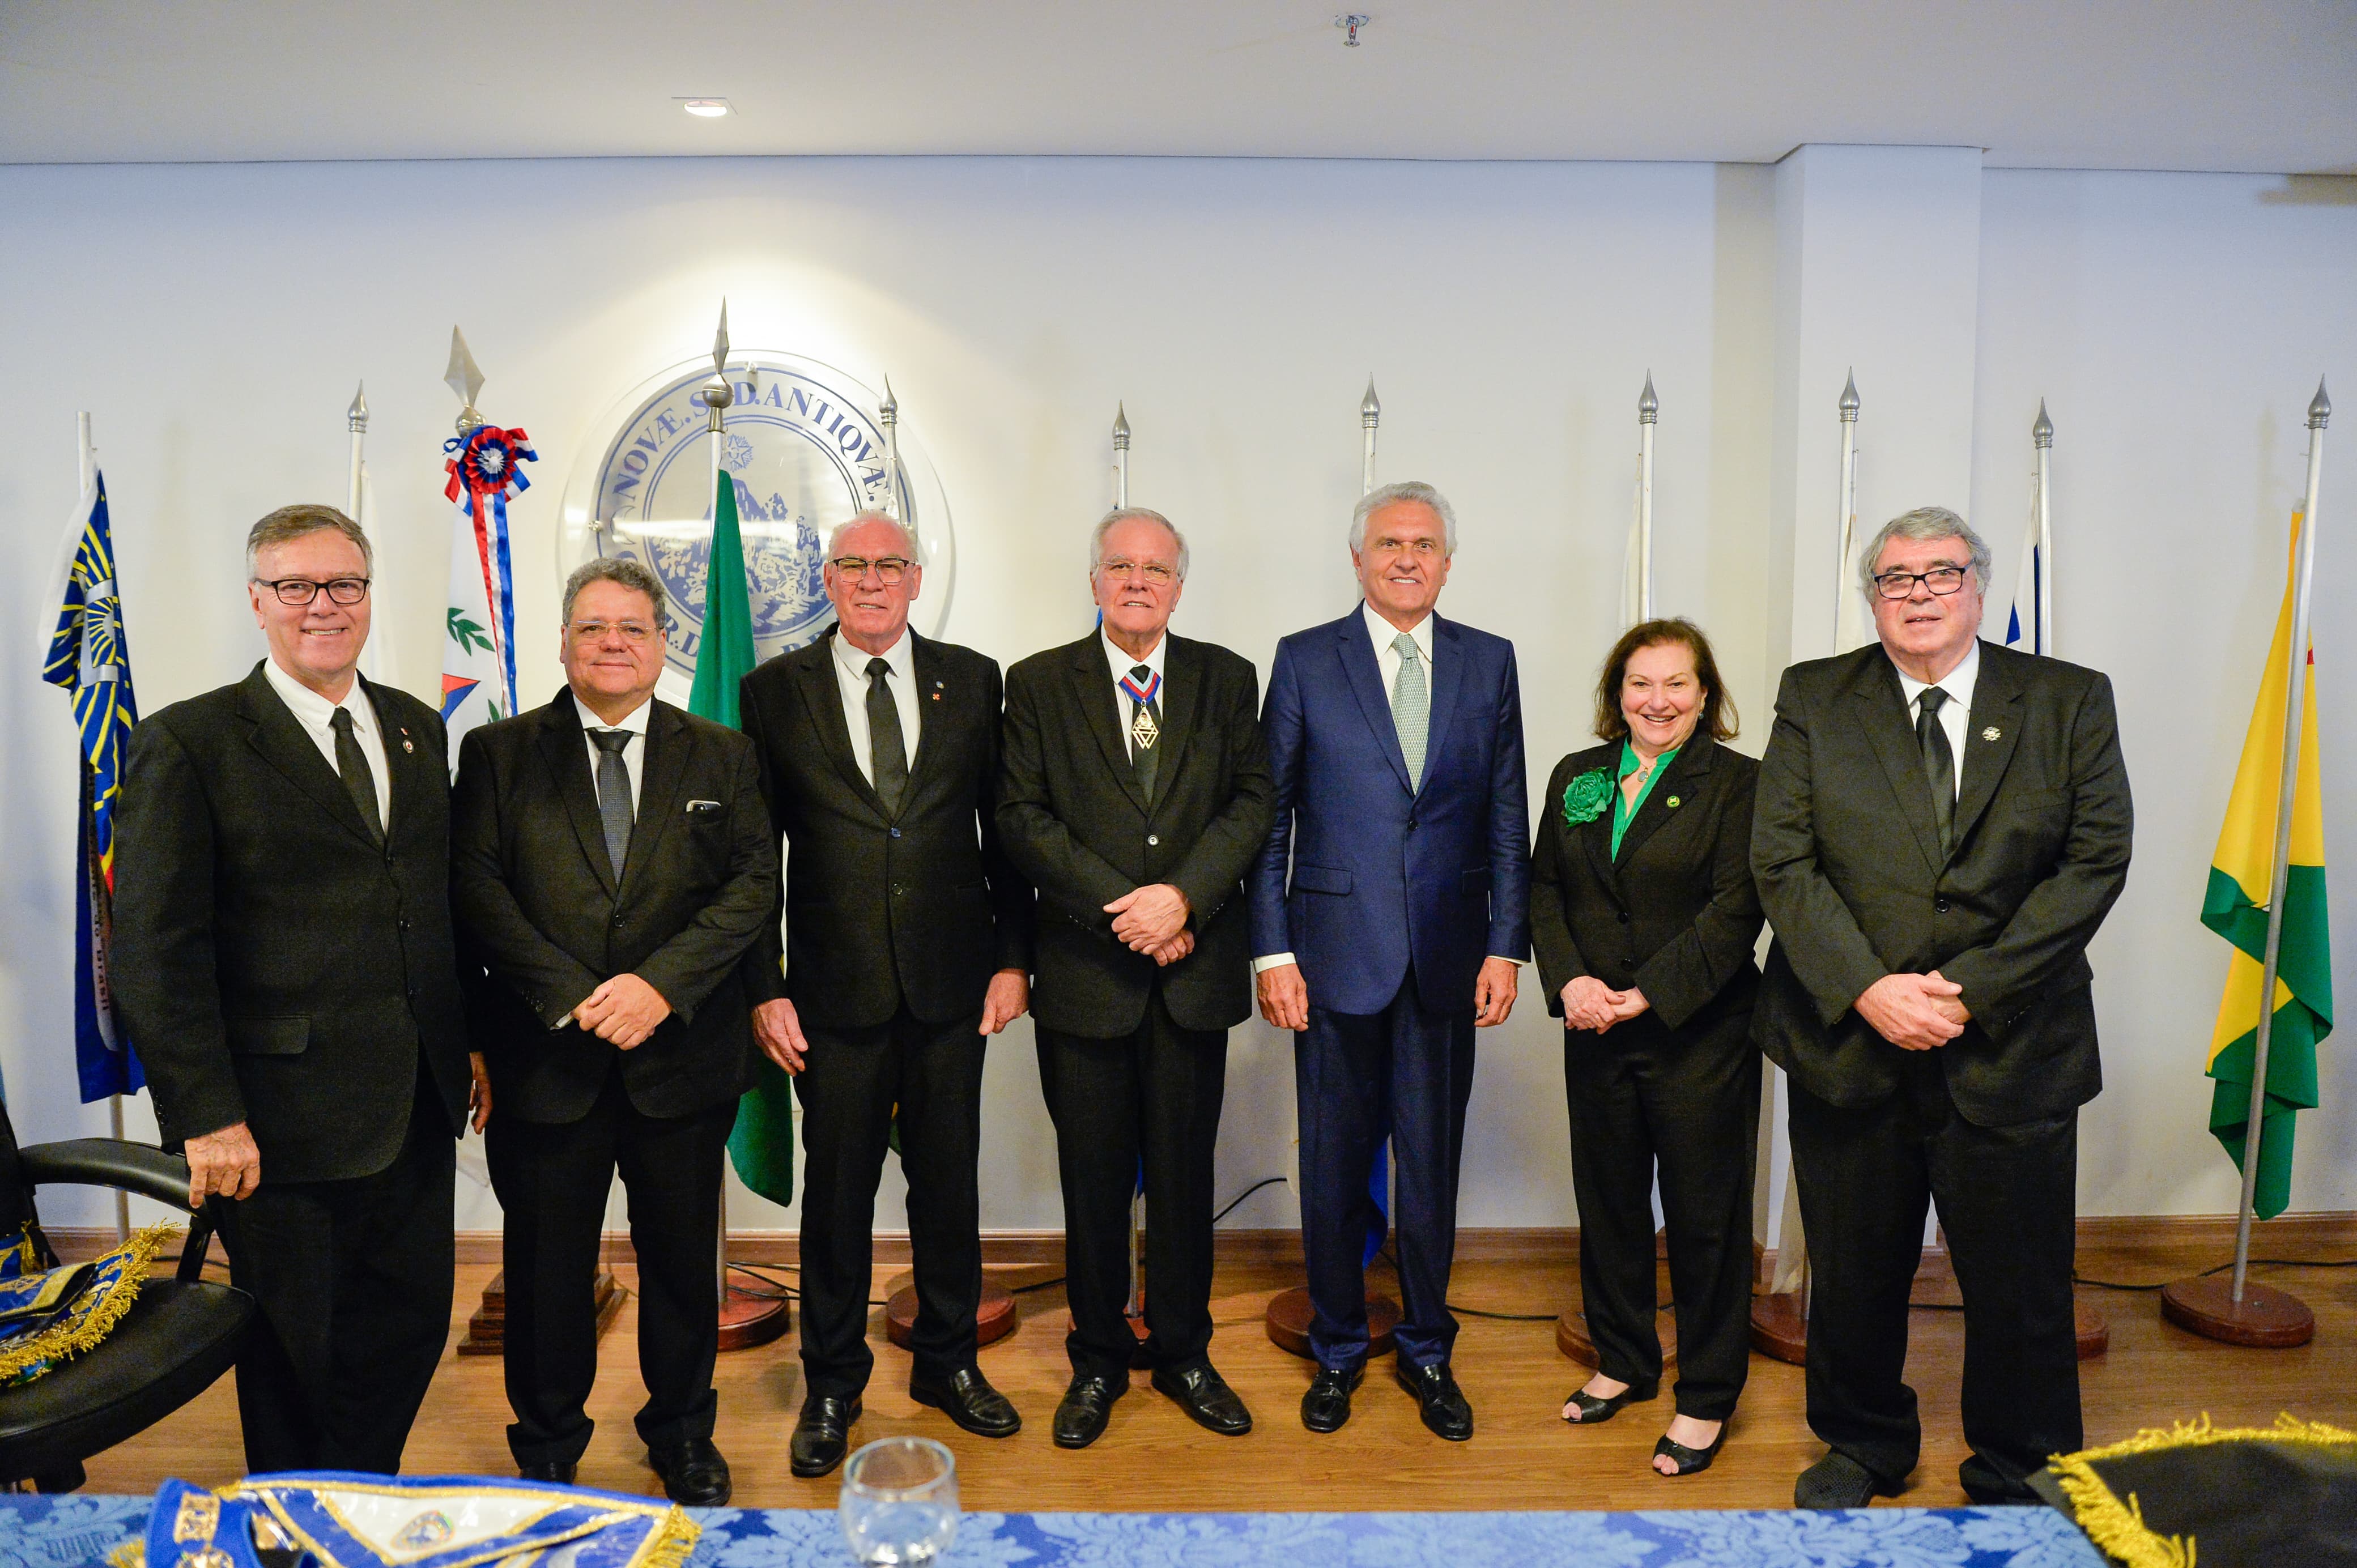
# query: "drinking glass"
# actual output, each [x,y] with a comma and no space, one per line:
[900,1502]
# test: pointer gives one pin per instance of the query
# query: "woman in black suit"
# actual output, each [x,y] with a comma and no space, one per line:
[1644,918]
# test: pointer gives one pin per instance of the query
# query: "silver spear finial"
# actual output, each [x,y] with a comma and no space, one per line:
[1649,408]
[715,394]
[1849,400]
[2041,433]
[2319,408]
[356,416]
[464,378]
[889,413]
[1371,412]
[1120,427]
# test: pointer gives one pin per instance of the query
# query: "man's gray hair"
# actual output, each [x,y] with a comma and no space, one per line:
[621,569]
[1125,515]
[907,539]
[1925,523]
[1405,490]
[289,523]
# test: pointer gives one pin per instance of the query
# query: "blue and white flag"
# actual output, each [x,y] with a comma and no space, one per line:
[88,656]
[2025,625]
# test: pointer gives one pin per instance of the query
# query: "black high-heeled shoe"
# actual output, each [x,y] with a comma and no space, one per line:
[1592,1409]
[1689,1461]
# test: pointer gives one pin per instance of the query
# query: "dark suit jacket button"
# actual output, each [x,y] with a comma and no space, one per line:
[896,832]
[403,922]
[617,919]
[1624,917]
[1411,824]
[899,890]
[1152,840]
[1941,904]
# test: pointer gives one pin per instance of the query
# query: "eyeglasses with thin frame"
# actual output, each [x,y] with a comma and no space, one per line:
[1940,580]
[1154,573]
[890,568]
[637,633]
[300,591]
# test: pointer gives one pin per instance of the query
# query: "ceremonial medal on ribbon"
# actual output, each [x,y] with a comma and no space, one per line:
[1143,731]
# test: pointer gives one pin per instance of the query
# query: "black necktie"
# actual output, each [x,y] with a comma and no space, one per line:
[1938,765]
[352,763]
[1145,728]
[887,747]
[614,795]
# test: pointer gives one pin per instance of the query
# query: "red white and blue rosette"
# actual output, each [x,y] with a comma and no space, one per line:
[485,466]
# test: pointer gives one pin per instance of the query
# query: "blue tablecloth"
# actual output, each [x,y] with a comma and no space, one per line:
[78,1532]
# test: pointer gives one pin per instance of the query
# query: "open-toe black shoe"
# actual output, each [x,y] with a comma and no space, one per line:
[1689,1461]
[1592,1409]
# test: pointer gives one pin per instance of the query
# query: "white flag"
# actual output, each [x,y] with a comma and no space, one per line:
[2025,627]
[474,692]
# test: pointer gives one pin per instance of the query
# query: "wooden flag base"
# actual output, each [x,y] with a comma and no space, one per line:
[1780,1327]
[1572,1339]
[752,1317]
[487,1327]
[994,1320]
[1289,1315]
[2266,1318]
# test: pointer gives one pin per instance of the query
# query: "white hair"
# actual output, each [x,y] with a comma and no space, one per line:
[907,539]
[1926,522]
[1127,513]
[1405,490]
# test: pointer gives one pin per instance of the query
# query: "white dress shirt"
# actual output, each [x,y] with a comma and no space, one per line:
[317,717]
[1125,706]
[1955,716]
[634,750]
[900,679]
[1387,662]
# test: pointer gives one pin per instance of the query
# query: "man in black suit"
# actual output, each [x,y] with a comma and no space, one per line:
[1136,789]
[612,869]
[908,945]
[282,921]
[1942,825]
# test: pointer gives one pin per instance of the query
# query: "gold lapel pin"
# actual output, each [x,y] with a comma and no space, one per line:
[1991,733]
[1674,803]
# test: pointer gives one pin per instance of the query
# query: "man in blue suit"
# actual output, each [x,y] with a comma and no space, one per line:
[1396,741]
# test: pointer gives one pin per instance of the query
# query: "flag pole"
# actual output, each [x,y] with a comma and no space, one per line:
[2041,442]
[1848,529]
[1120,455]
[2319,412]
[86,474]
[716,395]
[356,420]
[889,417]
[1649,414]
[1371,414]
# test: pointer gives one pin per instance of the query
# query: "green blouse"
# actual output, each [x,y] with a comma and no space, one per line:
[1623,810]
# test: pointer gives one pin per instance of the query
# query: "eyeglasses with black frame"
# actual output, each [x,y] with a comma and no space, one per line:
[890,568]
[300,591]
[1940,580]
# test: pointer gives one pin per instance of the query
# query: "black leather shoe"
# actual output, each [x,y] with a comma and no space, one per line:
[1836,1481]
[1205,1396]
[1592,1409]
[822,1434]
[693,1472]
[967,1398]
[560,1471]
[1438,1399]
[1327,1406]
[1087,1405]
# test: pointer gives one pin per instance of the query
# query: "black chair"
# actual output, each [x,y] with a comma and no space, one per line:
[180,1335]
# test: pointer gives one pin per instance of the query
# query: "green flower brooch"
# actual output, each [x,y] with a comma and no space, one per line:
[1585,798]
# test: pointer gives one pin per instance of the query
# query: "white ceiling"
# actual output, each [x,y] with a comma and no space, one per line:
[2264,86]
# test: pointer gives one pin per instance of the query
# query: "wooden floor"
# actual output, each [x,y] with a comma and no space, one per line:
[1523,1455]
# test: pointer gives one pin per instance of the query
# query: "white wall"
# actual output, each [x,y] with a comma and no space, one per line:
[214,319]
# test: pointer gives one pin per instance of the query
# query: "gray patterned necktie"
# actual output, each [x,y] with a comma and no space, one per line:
[1411,707]
[1939,763]
[614,795]
[358,777]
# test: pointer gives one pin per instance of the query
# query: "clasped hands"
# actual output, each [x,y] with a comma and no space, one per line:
[1152,919]
[623,1010]
[1589,1003]
[1915,1012]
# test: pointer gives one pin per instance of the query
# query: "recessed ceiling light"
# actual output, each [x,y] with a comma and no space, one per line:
[705,107]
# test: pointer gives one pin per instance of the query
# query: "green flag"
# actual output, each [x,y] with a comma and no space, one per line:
[761,1146]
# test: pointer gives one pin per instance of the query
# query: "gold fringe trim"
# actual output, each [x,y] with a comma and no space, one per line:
[671,1543]
[132,1554]
[2118,1528]
[63,1341]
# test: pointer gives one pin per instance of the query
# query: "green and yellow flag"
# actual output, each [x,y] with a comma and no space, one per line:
[2235,907]
[761,1146]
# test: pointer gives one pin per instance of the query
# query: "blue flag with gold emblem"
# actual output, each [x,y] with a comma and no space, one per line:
[89,658]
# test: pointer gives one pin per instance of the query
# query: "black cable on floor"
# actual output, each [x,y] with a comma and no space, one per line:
[1231,1208]
[2078,1279]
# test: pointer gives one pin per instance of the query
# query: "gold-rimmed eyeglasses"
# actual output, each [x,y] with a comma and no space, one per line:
[890,568]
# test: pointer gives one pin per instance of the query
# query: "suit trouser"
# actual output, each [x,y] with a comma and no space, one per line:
[553,1180]
[850,1083]
[1150,1096]
[354,1281]
[1357,1074]
[2007,1198]
[1688,1102]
